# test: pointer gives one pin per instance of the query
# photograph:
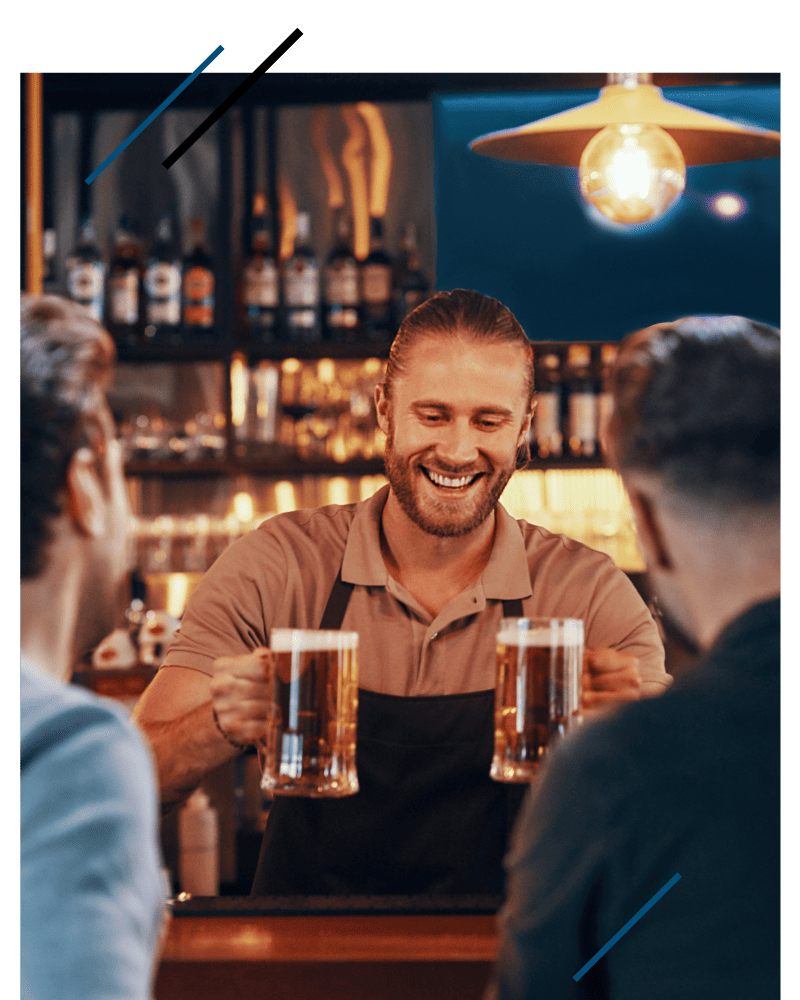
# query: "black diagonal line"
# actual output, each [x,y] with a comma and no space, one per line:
[229,101]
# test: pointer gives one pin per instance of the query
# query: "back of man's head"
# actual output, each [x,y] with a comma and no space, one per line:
[66,363]
[697,404]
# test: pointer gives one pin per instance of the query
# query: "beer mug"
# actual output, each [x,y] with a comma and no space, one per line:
[310,746]
[537,691]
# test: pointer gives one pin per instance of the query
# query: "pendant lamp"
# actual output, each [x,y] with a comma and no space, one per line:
[631,146]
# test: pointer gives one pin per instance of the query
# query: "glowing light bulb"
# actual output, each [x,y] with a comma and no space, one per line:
[632,173]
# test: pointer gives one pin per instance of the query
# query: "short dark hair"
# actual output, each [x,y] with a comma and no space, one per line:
[697,402]
[461,312]
[66,364]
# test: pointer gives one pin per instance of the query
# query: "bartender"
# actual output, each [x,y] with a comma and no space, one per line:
[424,570]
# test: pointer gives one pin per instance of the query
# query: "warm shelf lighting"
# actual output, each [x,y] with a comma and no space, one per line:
[239,387]
[630,101]
[243,507]
[285,499]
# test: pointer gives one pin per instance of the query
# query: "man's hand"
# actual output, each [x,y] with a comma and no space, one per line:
[241,692]
[610,678]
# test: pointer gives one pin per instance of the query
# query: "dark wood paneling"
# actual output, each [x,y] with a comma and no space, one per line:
[106,91]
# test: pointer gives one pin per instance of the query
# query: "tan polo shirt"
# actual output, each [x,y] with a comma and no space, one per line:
[281,574]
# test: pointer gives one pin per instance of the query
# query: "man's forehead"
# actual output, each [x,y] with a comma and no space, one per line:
[455,352]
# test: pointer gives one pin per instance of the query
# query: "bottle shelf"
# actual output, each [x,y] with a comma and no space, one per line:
[280,469]
[278,351]
[292,467]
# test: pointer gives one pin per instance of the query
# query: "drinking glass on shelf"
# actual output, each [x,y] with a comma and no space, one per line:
[205,437]
[148,438]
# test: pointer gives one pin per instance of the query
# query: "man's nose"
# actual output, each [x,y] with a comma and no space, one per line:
[457,446]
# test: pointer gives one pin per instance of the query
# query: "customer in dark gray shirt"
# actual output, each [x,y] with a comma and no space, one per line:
[688,783]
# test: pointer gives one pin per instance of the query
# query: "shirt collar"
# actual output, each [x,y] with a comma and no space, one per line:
[506,575]
[363,563]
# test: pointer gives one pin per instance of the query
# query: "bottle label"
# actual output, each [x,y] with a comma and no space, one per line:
[261,284]
[376,283]
[198,297]
[125,298]
[85,286]
[583,415]
[341,283]
[342,316]
[546,419]
[302,284]
[162,283]
[304,319]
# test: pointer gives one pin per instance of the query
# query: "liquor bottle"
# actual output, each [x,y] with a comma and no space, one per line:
[260,277]
[341,284]
[605,401]
[301,287]
[85,272]
[376,286]
[124,279]
[162,285]
[547,435]
[198,286]
[581,402]
[411,285]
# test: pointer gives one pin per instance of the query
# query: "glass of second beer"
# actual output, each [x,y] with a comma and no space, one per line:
[310,746]
[537,691]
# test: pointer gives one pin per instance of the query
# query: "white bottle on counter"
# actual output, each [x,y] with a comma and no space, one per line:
[198,846]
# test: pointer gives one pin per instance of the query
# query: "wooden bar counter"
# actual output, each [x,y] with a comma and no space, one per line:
[250,950]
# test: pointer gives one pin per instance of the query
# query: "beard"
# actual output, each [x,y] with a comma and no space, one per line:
[443,518]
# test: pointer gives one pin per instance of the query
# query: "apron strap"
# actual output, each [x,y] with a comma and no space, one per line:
[513,609]
[333,616]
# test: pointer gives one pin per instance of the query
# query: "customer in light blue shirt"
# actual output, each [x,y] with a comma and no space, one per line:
[92,896]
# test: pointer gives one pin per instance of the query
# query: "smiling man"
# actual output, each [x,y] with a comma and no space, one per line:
[424,570]
[456,418]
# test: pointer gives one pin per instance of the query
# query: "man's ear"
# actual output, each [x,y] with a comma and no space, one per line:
[527,420]
[382,407]
[85,498]
[650,531]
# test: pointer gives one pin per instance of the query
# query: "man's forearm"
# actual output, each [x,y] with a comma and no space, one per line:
[185,749]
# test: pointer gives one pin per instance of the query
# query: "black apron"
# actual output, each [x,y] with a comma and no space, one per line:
[427,818]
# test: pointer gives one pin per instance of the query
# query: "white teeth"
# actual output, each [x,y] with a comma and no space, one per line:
[452,483]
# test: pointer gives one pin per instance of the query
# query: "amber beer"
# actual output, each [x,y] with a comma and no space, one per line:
[537,691]
[310,747]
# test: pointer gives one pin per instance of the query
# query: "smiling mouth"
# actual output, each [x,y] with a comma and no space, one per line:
[451,483]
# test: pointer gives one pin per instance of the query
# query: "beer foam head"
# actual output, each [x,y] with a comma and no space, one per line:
[303,640]
[540,632]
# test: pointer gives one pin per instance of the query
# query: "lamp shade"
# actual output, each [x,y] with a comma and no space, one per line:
[561,139]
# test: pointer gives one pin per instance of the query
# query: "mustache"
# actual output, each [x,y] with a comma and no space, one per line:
[443,469]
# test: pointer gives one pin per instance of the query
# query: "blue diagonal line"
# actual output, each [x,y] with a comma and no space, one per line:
[164,104]
[626,928]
